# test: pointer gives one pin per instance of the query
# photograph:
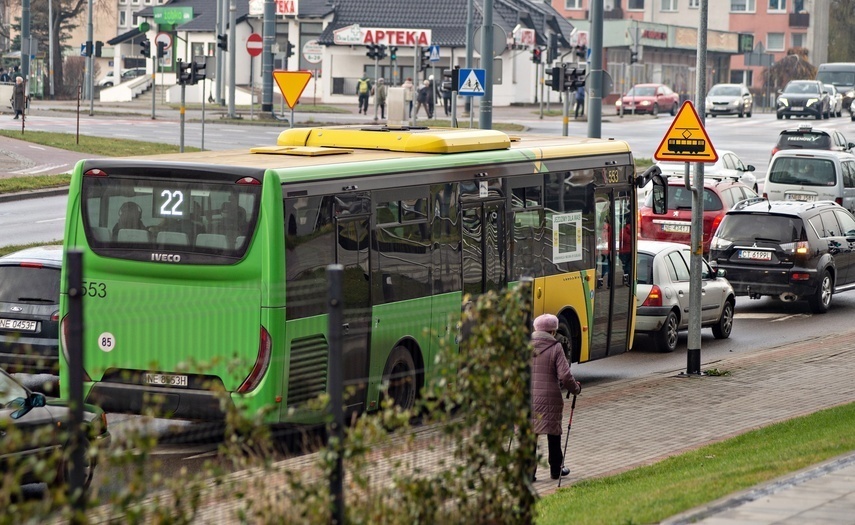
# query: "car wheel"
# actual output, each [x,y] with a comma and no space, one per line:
[713,116]
[748,114]
[788,117]
[722,329]
[400,378]
[666,337]
[741,112]
[674,109]
[655,110]
[780,116]
[852,117]
[88,462]
[821,299]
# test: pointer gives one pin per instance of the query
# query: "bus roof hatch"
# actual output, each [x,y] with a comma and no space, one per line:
[442,140]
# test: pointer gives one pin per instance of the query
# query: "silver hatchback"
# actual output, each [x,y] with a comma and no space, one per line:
[729,99]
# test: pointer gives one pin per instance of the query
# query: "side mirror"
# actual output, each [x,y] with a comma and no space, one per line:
[750,167]
[851,145]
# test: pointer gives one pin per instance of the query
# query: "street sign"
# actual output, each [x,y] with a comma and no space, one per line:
[292,84]
[254,44]
[313,52]
[471,82]
[686,139]
[166,38]
[434,53]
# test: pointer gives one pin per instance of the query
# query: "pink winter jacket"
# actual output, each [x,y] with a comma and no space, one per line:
[548,367]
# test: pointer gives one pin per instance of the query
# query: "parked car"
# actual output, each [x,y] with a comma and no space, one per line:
[719,196]
[812,175]
[42,427]
[787,249]
[729,99]
[127,74]
[29,310]
[728,165]
[836,100]
[650,99]
[803,98]
[663,292]
[809,137]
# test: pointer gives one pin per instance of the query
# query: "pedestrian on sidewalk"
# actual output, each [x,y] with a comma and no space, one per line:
[363,90]
[4,77]
[580,101]
[549,372]
[380,92]
[446,97]
[19,98]
[409,92]
[424,99]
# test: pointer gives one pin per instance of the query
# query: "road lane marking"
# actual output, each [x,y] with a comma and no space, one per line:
[51,220]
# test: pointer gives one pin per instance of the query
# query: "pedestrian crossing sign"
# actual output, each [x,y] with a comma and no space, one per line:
[434,53]
[686,139]
[471,82]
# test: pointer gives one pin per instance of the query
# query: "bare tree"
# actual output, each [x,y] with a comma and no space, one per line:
[841,31]
[794,66]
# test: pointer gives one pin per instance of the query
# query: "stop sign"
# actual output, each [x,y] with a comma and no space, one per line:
[253,44]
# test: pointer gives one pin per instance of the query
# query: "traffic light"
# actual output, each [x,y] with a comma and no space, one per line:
[161,49]
[582,53]
[197,72]
[381,52]
[223,42]
[393,53]
[372,51]
[87,49]
[185,72]
[98,46]
[557,80]
[633,56]
[552,50]
[145,48]
[289,49]
[424,58]
[536,55]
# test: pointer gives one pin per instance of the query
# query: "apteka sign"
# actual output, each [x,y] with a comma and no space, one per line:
[354,35]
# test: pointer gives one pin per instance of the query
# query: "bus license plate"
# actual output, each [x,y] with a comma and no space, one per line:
[166,380]
[755,255]
[18,324]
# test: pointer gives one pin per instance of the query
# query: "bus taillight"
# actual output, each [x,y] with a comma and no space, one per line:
[262,362]
[248,180]
[95,172]
[63,336]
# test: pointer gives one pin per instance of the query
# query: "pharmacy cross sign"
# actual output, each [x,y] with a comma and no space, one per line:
[254,44]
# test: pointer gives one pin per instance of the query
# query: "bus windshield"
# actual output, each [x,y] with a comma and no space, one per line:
[205,222]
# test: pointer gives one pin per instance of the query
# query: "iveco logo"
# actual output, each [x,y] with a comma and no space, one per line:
[17,309]
[165,257]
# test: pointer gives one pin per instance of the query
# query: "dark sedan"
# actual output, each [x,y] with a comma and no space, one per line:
[29,310]
[804,98]
[34,434]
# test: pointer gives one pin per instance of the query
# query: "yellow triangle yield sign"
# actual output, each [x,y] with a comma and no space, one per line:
[292,84]
[686,139]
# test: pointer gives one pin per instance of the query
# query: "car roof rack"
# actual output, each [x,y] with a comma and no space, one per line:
[741,205]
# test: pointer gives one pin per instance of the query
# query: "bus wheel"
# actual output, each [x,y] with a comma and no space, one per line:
[566,339]
[400,378]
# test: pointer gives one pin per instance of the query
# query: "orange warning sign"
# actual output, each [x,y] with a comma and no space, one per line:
[292,84]
[686,139]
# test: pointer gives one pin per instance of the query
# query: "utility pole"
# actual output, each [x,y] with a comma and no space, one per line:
[90,60]
[232,56]
[50,46]
[595,90]
[268,36]
[218,29]
[485,120]
[469,50]
[25,40]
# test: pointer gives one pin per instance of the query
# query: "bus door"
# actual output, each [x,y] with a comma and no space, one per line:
[483,247]
[615,277]
[352,244]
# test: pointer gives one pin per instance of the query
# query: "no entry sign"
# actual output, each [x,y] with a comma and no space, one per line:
[254,45]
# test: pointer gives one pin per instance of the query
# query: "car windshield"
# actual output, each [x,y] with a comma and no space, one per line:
[801,88]
[10,390]
[29,284]
[681,198]
[752,227]
[642,91]
[725,91]
[802,170]
[804,140]
[838,78]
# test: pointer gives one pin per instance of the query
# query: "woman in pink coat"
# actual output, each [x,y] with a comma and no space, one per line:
[549,371]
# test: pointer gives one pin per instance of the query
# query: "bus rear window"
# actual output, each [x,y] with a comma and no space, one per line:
[155,220]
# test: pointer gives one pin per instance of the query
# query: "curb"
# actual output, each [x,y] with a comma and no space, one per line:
[33,194]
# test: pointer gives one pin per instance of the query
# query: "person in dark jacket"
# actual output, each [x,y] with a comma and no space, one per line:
[549,372]
[19,97]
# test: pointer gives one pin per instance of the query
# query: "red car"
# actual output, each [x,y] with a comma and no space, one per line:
[719,196]
[648,98]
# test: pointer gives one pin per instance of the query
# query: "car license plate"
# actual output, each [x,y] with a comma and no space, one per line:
[796,108]
[755,255]
[799,197]
[675,227]
[18,324]
[166,379]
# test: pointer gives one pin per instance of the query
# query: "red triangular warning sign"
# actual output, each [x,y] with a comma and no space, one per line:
[686,139]
[292,84]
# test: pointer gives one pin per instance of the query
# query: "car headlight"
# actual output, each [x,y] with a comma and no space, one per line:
[783,102]
[811,101]
[645,103]
[707,103]
[850,94]
[618,103]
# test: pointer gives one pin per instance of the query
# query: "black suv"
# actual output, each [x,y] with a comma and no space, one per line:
[804,98]
[809,137]
[787,249]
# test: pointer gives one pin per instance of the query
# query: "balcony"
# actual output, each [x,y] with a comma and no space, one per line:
[616,13]
[799,19]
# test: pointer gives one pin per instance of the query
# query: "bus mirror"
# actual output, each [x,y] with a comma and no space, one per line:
[660,196]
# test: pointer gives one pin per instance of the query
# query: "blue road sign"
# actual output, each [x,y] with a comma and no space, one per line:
[471,82]
[434,53]
[83,49]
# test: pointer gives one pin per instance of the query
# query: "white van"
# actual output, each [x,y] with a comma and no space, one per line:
[812,175]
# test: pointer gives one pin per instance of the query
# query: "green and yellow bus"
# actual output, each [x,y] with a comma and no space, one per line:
[204,272]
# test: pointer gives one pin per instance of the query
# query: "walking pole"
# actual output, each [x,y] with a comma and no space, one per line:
[566,439]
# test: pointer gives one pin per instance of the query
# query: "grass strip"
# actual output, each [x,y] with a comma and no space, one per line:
[6,250]
[652,493]
[35,182]
[100,146]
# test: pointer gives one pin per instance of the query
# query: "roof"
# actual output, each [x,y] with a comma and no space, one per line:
[825,153]
[782,207]
[447,18]
[50,255]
